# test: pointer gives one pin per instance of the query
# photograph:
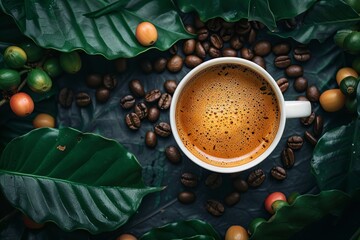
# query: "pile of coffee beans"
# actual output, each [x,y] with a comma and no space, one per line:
[217,38]
[103,85]
[148,105]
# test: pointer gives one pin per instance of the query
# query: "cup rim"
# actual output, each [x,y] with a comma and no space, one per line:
[256,68]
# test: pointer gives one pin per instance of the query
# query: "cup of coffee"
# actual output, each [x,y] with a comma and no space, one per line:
[228,114]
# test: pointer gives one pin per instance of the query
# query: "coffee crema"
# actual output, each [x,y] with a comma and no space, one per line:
[227,115]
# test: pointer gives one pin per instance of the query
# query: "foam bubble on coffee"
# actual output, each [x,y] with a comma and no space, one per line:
[227,115]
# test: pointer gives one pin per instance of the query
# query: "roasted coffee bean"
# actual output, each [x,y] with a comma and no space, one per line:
[318,125]
[310,138]
[302,98]
[127,102]
[150,139]
[295,142]
[152,96]
[242,27]
[229,52]
[120,65]
[236,43]
[141,110]
[189,46]
[300,84]
[214,52]
[216,41]
[146,66]
[240,185]
[308,120]
[282,61]
[164,101]
[189,179]
[174,49]
[278,173]
[252,36]
[290,24]
[283,84]
[163,129]
[132,121]
[170,86]
[186,197]
[190,29]
[198,23]
[200,50]
[192,61]
[160,64]
[214,24]
[226,24]
[109,81]
[93,80]
[302,54]
[232,199]
[259,61]
[202,34]
[153,114]
[66,96]
[313,93]
[247,53]
[226,34]
[294,71]
[215,208]
[256,178]
[281,49]
[262,48]
[137,88]
[257,25]
[288,157]
[102,94]
[82,99]
[172,153]
[206,45]
[175,63]
[213,180]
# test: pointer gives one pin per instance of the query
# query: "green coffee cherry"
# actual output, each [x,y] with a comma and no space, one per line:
[39,81]
[33,52]
[340,36]
[351,104]
[15,57]
[52,67]
[70,62]
[9,79]
[349,85]
[352,43]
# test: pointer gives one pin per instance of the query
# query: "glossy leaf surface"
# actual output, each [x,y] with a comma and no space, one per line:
[62,25]
[267,12]
[305,210]
[77,180]
[191,229]
[322,21]
[336,160]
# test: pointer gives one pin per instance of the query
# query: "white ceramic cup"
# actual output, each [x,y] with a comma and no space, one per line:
[288,109]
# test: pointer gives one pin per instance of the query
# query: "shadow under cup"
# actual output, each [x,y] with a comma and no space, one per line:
[227,114]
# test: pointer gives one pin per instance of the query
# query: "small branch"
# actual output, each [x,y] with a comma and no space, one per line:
[22,85]
[2,102]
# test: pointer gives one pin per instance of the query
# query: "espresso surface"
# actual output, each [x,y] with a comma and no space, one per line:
[227,115]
